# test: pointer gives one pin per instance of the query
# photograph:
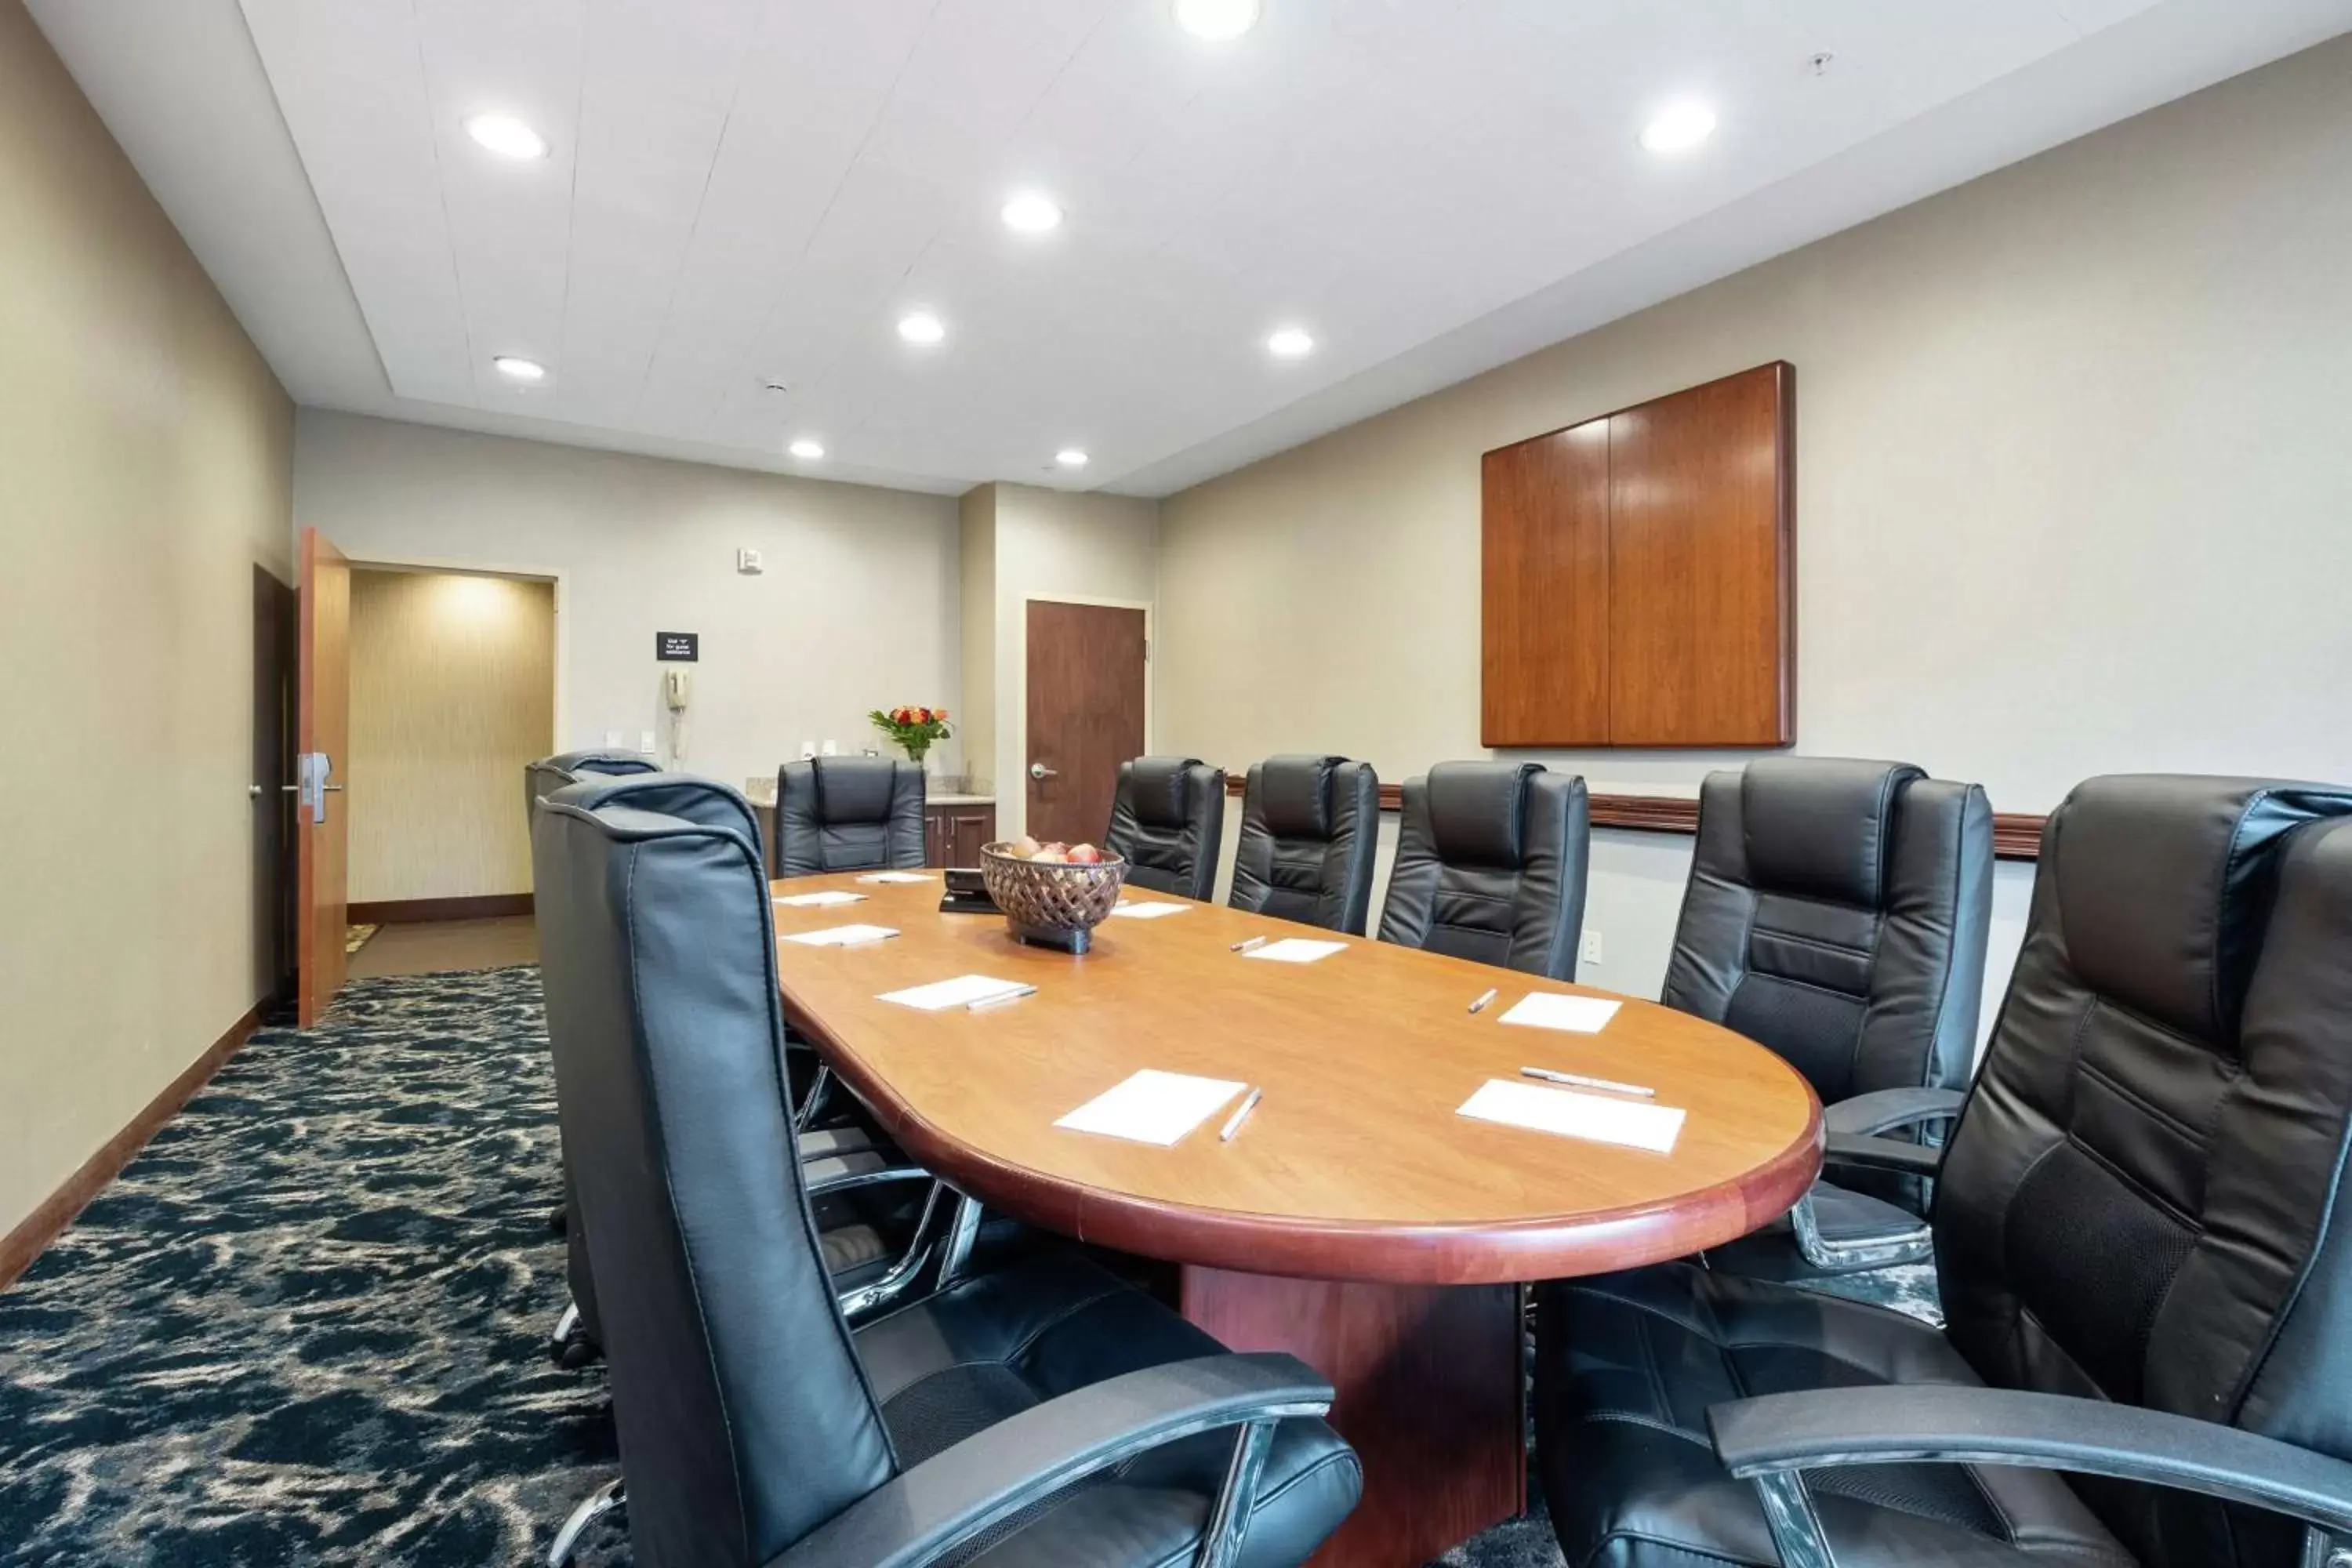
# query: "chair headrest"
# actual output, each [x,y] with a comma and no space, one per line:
[854,789]
[1294,796]
[1158,789]
[1819,827]
[706,803]
[1478,812]
[2164,885]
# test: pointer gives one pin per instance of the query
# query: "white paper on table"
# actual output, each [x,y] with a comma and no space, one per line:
[819,901]
[843,936]
[1296,949]
[1152,1107]
[1604,1118]
[962,992]
[1147,911]
[896,877]
[1576,1014]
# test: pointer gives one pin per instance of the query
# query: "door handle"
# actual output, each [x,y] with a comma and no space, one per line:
[1039,770]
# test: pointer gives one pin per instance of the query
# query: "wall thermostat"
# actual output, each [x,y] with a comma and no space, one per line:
[747,561]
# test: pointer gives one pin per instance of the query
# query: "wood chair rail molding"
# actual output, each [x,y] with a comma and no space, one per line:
[2016,834]
[1354,1166]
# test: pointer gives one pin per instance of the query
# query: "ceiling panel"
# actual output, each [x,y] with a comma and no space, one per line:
[746,190]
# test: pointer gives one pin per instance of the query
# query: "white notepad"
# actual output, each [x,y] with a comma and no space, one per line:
[1578,1015]
[896,876]
[1152,1107]
[962,992]
[1296,949]
[1145,911]
[841,936]
[1603,1118]
[819,900]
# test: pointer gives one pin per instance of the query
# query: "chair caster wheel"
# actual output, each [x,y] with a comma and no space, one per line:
[558,1220]
[573,1354]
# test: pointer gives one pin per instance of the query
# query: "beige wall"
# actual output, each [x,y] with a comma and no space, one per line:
[975,724]
[1022,543]
[145,454]
[857,607]
[452,690]
[2074,495]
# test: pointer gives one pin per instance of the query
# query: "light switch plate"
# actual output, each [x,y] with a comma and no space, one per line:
[831,750]
[808,749]
[646,742]
[612,742]
[1590,951]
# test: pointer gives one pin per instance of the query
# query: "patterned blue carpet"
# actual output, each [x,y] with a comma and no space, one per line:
[307,1325]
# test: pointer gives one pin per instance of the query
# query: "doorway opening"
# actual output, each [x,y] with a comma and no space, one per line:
[453,689]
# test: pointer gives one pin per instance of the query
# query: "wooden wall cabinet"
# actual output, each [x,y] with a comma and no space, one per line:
[1639,575]
[952,835]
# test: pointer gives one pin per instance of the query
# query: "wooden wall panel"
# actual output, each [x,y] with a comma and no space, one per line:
[1545,590]
[1643,596]
[1698,538]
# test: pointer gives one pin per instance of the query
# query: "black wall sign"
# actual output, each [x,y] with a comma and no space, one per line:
[685,646]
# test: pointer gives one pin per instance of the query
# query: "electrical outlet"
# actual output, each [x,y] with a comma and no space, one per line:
[1590,951]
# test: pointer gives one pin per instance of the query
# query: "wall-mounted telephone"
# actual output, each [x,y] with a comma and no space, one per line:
[678,690]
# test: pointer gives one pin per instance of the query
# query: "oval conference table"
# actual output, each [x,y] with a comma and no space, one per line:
[1355,1220]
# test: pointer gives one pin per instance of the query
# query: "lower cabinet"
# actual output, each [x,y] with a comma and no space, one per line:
[952,835]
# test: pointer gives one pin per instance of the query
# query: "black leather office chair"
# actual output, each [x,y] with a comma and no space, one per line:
[1043,1413]
[1169,820]
[1837,913]
[2141,1237]
[848,813]
[858,1249]
[1490,865]
[1309,825]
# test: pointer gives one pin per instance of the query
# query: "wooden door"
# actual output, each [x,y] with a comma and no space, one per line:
[275,622]
[1085,714]
[323,734]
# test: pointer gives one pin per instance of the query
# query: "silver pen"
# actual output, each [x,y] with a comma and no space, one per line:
[867,940]
[1246,943]
[999,999]
[1480,1005]
[1580,1082]
[1233,1124]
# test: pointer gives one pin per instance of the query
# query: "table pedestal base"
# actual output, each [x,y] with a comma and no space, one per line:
[1429,1387]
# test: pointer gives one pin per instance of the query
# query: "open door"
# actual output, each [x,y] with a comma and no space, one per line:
[323,735]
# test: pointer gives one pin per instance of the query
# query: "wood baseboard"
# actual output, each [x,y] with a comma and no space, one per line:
[2016,835]
[396,912]
[46,1223]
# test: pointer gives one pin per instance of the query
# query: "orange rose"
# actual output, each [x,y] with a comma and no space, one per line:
[941,714]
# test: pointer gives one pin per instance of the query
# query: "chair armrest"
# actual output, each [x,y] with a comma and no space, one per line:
[1881,1155]
[1825,1429]
[845,1171]
[1884,1110]
[964,1490]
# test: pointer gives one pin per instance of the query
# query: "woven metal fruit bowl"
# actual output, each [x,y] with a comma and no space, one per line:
[1050,902]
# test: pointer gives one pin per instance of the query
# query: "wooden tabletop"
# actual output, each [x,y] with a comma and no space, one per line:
[1354,1166]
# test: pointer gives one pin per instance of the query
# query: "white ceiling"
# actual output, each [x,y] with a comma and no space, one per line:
[747,189]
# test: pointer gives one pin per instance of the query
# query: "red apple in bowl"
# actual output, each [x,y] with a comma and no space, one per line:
[1085,854]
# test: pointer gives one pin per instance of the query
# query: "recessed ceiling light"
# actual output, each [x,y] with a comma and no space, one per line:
[1216,19]
[922,327]
[1070,457]
[1290,342]
[506,135]
[1678,126]
[807,447]
[516,368]
[1030,212]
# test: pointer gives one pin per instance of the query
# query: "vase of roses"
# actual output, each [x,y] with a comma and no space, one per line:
[916,729]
